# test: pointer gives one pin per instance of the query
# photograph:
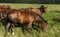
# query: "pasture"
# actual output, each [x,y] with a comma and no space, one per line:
[52,15]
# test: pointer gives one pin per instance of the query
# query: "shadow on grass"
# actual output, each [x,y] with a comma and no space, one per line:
[56,20]
[3,23]
[55,11]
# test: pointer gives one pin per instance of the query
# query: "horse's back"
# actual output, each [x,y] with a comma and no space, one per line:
[23,17]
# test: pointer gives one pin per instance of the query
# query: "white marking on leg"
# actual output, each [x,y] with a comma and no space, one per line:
[13,33]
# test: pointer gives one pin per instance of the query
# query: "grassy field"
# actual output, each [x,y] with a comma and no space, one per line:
[53,17]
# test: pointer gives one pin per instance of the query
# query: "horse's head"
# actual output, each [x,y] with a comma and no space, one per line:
[4,10]
[3,15]
[5,6]
[42,22]
[43,25]
[43,9]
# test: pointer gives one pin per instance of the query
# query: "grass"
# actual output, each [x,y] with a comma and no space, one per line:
[53,17]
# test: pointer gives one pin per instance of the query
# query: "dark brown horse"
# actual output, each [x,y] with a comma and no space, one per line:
[39,11]
[3,10]
[19,16]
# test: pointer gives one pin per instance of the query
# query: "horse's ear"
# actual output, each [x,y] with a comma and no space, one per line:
[46,21]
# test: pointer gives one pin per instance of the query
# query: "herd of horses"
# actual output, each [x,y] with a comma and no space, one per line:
[23,16]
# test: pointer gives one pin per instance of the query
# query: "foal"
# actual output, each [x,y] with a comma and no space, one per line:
[19,16]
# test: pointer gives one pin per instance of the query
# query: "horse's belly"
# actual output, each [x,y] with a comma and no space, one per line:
[14,20]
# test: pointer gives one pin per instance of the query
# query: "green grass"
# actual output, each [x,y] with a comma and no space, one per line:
[53,17]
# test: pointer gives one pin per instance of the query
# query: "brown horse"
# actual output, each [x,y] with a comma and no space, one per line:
[3,10]
[39,11]
[19,16]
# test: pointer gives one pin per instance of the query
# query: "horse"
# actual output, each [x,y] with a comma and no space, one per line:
[19,16]
[39,11]
[3,10]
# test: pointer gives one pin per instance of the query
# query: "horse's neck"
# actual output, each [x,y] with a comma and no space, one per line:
[42,19]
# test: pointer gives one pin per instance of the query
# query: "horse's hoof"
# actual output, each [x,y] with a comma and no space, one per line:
[13,33]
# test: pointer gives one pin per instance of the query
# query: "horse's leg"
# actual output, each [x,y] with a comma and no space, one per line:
[29,27]
[39,25]
[0,23]
[12,28]
[23,28]
[7,27]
